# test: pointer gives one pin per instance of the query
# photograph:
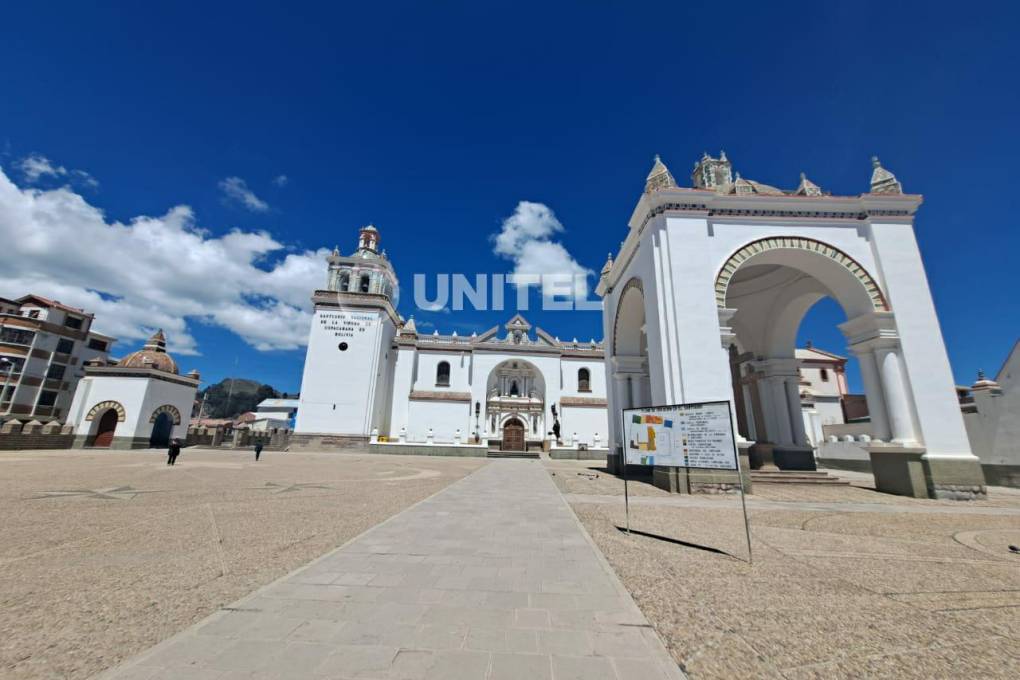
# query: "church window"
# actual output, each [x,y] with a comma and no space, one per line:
[514,391]
[345,281]
[825,375]
[443,374]
[363,286]
[583,380]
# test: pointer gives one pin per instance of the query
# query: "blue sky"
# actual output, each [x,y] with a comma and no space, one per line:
[434,121]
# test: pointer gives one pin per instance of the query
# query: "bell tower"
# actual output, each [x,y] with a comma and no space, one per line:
[344,388]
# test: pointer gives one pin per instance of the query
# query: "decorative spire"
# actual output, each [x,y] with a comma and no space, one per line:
[807,187]
[157,343]
[409,327]
[883,181]
[984,383]
[712,173]
[659,177]
[608,265]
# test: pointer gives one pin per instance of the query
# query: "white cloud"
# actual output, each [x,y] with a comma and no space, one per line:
[525,240]
[154,272]
[236,189]
[36,166]
[281,180]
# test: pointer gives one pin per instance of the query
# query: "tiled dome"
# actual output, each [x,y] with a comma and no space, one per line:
[152,355]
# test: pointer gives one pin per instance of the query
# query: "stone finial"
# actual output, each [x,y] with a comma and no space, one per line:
[883,181]
[807,187]
[607,267]
[659,177]
[984,383]
[409,328]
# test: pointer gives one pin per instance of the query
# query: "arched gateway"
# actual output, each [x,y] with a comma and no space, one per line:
[705,297]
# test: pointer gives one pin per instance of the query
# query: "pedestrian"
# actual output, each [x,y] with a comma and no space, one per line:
[258,450]
[173,452]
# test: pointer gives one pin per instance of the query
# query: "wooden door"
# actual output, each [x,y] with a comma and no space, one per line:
[107,426]
[513,435]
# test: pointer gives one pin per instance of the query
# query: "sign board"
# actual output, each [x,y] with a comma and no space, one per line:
[698,435]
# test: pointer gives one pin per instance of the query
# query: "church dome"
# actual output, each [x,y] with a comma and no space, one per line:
[152,355]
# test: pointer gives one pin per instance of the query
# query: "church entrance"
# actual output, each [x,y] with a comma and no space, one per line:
[513,436]
[161,430]
[107,426]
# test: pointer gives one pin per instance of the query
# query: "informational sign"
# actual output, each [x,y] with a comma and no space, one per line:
[696,435]
[346,324]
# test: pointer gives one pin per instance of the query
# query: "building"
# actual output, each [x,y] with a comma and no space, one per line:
[140,401]
[44,346]
[275,413]
[728,267]
[991,412]
[367,371]
[823,390]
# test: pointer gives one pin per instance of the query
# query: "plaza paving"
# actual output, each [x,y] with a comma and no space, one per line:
[492,578]
[845,582]
[104,554]
[452,568]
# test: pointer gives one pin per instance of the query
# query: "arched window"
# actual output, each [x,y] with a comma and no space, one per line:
[443,374]
[583,380]
[514,392]
[345,281]
[825,375]
[363,286]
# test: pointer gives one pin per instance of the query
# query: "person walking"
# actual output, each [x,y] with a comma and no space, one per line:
[173,452]
[258,450]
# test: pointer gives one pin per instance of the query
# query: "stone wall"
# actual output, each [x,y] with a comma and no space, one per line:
[15,435]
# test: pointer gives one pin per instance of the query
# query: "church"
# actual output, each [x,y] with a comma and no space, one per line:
[702,302]
[370,375]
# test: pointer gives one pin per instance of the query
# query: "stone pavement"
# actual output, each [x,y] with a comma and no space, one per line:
[491,578]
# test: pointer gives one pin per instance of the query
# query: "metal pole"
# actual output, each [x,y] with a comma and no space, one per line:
[626,497]
[743,504]
[623,461]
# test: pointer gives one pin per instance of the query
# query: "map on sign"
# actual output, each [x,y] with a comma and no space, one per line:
[686,435]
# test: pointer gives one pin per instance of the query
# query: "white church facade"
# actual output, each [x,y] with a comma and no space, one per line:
[702,302]
[370,375]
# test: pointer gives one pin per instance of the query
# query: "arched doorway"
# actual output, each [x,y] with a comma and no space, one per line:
[767,288]
[515,390]
[513,436]
[161,430]
[104,431]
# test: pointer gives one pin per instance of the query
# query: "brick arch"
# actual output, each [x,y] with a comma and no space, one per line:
[735,260]
[167,408]
[104,406]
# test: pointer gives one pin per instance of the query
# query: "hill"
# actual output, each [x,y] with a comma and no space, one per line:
[231,397]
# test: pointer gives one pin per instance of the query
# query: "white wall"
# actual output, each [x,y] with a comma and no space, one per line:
[586,422]
[340,389]
[444,417]
[460,371]
[140,397]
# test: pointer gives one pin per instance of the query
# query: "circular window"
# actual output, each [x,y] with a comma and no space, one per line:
[342,346]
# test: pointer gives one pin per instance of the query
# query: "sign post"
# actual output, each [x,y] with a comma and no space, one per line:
[693,436]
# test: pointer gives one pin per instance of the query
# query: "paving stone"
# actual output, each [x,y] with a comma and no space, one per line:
[490,579]
[583,668]
[519,666]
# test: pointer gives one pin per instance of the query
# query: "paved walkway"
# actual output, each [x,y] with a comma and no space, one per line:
[492,578]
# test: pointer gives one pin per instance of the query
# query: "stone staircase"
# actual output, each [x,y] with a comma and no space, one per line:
[495,453]
[795,477]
